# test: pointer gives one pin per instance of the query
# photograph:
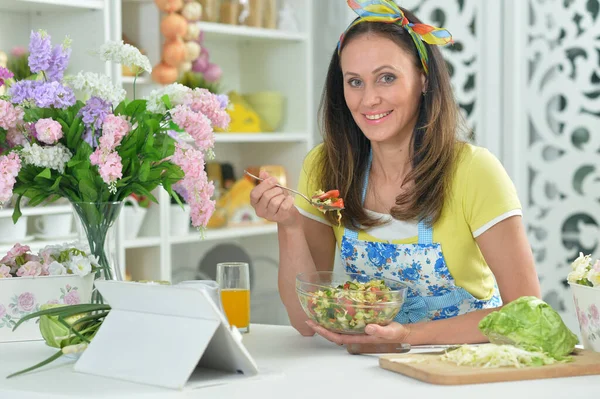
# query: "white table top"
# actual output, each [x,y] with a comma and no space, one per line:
[296,367]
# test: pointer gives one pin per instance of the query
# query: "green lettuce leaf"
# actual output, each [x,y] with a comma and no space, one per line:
[531,324]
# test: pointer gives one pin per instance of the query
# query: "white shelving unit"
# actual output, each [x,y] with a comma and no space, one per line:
[252,59]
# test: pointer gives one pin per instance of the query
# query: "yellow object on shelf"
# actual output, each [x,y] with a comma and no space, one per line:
[234,208]
[243,118]
[269,107]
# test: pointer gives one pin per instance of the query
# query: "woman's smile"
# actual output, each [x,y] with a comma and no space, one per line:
[374,118]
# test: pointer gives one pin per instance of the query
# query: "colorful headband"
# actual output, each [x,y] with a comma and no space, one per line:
[389,12]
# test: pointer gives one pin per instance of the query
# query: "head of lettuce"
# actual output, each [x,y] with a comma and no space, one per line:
[531,324]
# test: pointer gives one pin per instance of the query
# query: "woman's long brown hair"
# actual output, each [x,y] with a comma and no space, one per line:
[343,162]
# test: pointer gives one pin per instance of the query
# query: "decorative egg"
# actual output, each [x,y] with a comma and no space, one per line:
[192,12]
[174,52]
[185,67]
[193,32]
[193,51]
[213,73]
[169,6]
[173,26]
[164,74]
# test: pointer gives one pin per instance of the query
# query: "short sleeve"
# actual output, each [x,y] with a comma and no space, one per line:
[308,183]
[490,195]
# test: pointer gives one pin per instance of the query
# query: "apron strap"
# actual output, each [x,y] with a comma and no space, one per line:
[348,233]
[425,233]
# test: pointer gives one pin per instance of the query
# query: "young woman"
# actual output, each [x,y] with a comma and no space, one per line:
[421,206]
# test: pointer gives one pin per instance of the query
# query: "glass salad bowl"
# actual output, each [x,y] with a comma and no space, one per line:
[346,303]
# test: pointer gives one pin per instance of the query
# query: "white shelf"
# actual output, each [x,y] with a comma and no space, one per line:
[142,242]
[214,30]
[141,80]
[51,5]
[225,233]
[41,210]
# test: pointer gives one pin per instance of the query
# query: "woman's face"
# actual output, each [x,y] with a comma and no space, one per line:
[382,87]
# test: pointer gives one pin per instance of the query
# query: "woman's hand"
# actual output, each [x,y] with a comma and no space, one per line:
[273,203]
[393,332]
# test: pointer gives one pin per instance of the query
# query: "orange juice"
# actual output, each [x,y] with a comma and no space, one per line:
[236,304]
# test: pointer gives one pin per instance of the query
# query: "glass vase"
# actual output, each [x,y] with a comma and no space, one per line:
[98,228]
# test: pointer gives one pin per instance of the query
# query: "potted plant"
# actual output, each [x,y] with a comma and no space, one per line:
[584,280]
[57,274]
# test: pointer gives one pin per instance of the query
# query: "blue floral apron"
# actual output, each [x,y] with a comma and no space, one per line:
[432,292]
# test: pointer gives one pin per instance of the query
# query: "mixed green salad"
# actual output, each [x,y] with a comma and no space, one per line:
[349,307]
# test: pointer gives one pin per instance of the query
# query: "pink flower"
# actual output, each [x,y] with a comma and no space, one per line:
[583,320]
[5,271]
[110,166]
[596,266]
[52,302]
[115,127]
[196,125]
[15,138]
[594,313]
[2,311]
[12,255]
[26,302]
[18,51]
[195,183]
[48,130]
[10,115]
[204,102]
[72,298]
[10,165]
[30,268]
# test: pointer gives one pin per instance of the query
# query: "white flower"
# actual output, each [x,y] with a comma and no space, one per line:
[594,274]
[94,260]
[53,157]
[98,86]
[126,54]
[56,269]
[582,261]
[176,93]
[80,265]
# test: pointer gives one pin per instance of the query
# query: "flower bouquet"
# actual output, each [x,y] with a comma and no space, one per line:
[98,151]
[57,274]
[584,280]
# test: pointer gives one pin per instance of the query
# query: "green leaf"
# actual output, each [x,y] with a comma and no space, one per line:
[40,364]
[56,184]
[17,212]
[44,174]
[136,107]
[121,107]
[167,101]
[144,171]
[88,189]
[139,189]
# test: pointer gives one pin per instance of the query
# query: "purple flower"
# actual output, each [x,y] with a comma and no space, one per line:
[90,138]
[53,94]
[40,51]
[181,190]
[223,100]
[4,74]
[94,112]
[23,90]
[2,311]
[174,135]
[58,63]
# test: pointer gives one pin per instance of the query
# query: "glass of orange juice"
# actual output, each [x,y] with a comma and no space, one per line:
[234,280]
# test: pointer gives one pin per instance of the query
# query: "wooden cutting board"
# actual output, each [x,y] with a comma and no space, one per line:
[429,368]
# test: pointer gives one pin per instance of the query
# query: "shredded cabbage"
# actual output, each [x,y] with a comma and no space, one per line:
[492,355]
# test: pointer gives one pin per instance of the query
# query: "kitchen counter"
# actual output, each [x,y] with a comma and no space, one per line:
[294,367]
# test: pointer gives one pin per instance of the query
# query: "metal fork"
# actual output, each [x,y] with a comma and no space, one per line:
[313,203]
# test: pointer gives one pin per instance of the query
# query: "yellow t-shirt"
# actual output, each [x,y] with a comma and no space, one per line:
[482,194]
